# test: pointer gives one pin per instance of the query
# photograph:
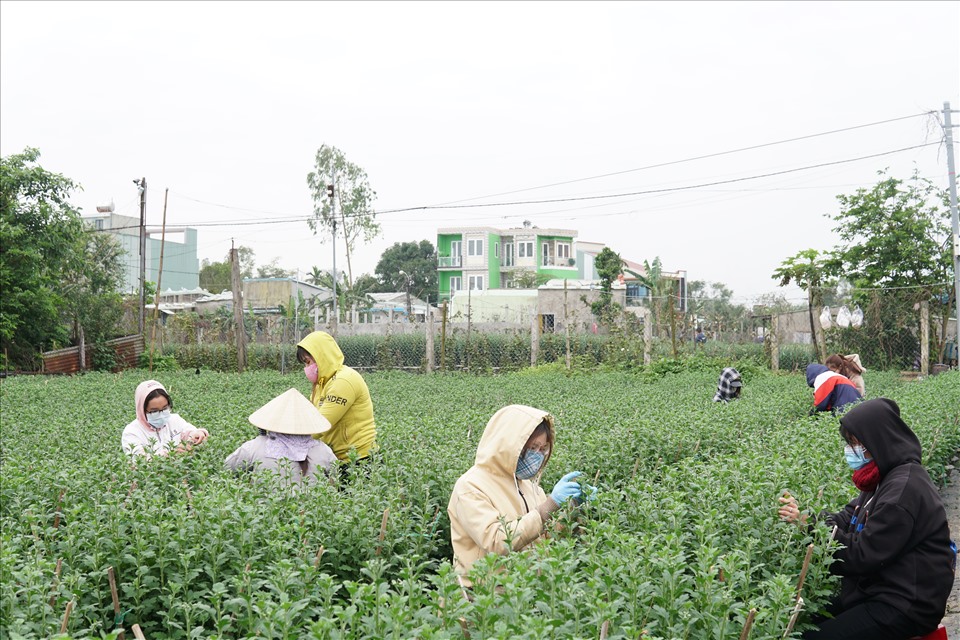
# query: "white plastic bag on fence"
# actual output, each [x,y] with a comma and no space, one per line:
[856,318]
[843,317]
[825,321]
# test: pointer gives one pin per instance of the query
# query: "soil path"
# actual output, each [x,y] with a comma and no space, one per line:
[951,500]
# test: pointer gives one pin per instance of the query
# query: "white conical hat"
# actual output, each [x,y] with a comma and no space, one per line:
[290,413]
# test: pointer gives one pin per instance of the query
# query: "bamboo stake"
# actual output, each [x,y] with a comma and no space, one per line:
[383,529]
[596,477]
[66,617]
[114,596]
[56,517]
[138,633]
[636,465]
[806,565]
[604,629]
[316,561]
[748,624]
[793,618]
[463,626]
[56,579]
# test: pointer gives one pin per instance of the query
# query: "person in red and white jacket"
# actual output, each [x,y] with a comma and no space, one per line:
[831,391]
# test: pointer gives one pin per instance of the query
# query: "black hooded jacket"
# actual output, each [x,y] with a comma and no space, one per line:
[896,539]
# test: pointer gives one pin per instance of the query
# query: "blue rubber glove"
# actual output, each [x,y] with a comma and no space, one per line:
[589,492]
[566,488]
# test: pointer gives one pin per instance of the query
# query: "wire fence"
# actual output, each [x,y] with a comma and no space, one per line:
[887,335]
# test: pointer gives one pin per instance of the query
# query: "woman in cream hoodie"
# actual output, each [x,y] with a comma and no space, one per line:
[499,498]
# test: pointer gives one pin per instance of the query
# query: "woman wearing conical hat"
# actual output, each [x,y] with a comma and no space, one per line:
[285,444]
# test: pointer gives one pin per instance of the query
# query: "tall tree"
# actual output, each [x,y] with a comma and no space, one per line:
[40,232]
[273,270]
[215,276]
[417,261]
[897,234]
[810,270]
[94,305]
[354,216]
[609,266]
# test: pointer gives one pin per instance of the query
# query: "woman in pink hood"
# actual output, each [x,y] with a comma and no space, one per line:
[156,429]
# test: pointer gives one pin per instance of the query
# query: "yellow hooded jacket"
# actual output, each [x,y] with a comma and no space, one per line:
[489,494]
[342,397]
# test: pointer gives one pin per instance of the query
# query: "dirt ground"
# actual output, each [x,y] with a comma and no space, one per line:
[951,500]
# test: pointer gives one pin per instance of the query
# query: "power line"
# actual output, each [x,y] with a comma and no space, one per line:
[701,157]
[549,200]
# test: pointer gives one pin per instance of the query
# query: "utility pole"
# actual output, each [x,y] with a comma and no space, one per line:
[142,185]
[241,331]
[952,174]
[333,324]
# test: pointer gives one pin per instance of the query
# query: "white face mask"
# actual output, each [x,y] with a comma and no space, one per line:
[158,420]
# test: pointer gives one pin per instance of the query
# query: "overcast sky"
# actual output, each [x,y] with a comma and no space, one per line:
[226,103]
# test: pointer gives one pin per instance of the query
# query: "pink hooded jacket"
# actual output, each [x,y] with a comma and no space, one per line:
[139,438]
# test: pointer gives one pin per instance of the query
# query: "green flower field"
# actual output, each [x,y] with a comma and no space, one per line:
[683,540]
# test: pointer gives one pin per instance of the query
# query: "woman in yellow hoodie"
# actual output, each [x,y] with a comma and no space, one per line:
[499,499]
[341,395]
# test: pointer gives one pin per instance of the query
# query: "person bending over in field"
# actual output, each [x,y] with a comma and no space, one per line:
[850,368]
[285,444]
[499,498]
[897,560]
[831,391]
[156,430]
[341,396]
[729,386]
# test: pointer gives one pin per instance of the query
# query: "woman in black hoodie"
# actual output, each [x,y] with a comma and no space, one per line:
[896,561]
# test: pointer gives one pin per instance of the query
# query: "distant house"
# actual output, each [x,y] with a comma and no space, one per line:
[268,295]
[392,307]
[636,292]
[181,268]
[481,258]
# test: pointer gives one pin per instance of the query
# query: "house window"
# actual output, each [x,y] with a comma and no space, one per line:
[525,249]
[474,247]
[476,282]
[455,284]
[508,254]
[456,248]
[546,253]
[98,225]
[546,323]
[496,249]
[563,250]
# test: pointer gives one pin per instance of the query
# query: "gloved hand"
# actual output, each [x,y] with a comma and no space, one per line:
[566,488]
[589,492]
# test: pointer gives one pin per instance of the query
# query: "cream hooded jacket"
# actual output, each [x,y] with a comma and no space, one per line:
[139,438]
[489,505]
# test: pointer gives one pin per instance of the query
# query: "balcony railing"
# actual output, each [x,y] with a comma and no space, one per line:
[558,262]
[449,261]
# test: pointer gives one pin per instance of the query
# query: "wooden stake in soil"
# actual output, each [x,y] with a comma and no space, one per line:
[806,565]
[56,517]
[748,624]
[66,617]
[636,465]
[115,597]
[138,633]
[316,561]
[56,579]
[604,629]
[383,529]
[793,618]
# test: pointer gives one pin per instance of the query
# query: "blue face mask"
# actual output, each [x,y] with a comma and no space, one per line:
[528,464]
[158,419]
[855,457]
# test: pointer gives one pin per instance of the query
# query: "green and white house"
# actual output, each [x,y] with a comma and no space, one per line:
[481,258]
